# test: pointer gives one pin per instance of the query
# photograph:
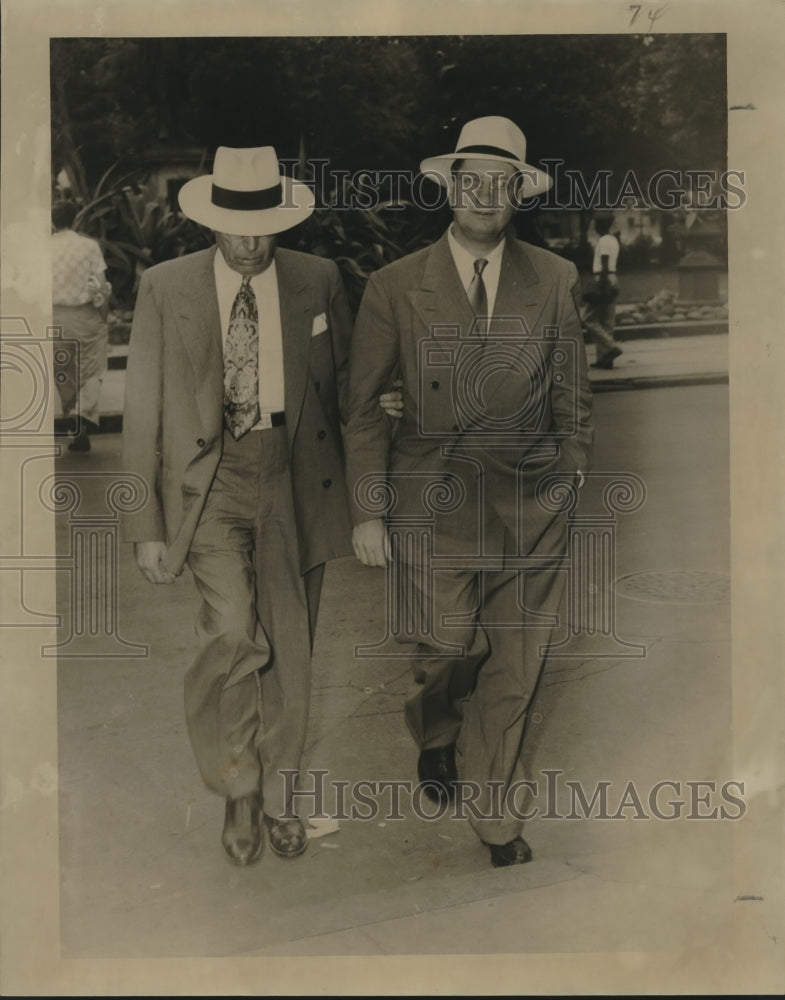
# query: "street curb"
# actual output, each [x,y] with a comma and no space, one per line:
[624,333]
[665,331]
[656,382]
[111,423]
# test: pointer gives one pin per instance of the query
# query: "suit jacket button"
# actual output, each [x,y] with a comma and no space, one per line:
[455,427]
[317,386]
[200,442]
[322,435]
[326,483]
[434,385]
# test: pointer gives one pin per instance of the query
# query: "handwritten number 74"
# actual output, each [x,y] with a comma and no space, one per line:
[653,13]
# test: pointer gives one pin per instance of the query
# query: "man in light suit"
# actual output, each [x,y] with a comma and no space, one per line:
[235,372]
[483,332]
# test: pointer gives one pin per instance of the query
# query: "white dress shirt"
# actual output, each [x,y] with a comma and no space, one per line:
[464,262]
[265,288]
[606,245]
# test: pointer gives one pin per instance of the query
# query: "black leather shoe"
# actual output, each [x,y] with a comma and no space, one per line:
[242,835]
[287,836]
[610,357]
[515,852]
[437,773]
[79,442]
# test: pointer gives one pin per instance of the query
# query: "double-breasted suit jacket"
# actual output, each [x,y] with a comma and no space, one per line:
[173,417]
[515,405]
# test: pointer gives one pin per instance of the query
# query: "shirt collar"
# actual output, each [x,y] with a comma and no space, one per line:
[466,258]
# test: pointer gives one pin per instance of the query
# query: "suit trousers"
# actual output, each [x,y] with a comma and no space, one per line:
[479,698]
[599,319]
[79,359]
[248,690]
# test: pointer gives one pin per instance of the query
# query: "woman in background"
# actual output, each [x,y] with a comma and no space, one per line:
[80,305]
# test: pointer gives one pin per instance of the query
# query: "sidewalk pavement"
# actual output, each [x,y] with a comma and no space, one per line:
[646,363]
[656,900]
[664,361]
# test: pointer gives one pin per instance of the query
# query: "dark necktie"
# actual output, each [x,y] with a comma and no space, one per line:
[478,298]
[241,363]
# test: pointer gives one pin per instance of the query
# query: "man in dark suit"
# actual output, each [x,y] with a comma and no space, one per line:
[484,333]
[235,372]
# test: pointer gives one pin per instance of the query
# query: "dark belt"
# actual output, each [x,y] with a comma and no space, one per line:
[271,420]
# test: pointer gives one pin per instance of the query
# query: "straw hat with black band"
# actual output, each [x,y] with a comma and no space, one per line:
[246,194]
[490,138]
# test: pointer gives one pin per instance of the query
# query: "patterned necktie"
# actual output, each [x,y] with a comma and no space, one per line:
[241,363]
[478,298]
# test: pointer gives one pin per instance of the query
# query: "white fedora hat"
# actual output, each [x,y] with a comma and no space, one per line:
[246,194]
[491,138]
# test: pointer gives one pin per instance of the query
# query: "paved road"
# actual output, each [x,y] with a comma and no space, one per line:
[141,865]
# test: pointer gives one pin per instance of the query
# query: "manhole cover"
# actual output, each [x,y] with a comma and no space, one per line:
[676,586]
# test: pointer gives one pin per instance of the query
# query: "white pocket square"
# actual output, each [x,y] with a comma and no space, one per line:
[319,324]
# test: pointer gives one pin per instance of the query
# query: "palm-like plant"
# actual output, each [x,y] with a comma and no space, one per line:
[134,229]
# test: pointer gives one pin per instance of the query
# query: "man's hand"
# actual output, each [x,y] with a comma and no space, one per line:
[392,402]
[371,543]
[148,559]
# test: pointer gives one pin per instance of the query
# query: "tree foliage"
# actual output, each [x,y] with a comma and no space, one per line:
[596,101]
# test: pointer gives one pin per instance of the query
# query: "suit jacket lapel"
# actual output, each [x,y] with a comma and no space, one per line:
[441,298]
[199,323]
[296,331]
[521,294]
[520,298]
